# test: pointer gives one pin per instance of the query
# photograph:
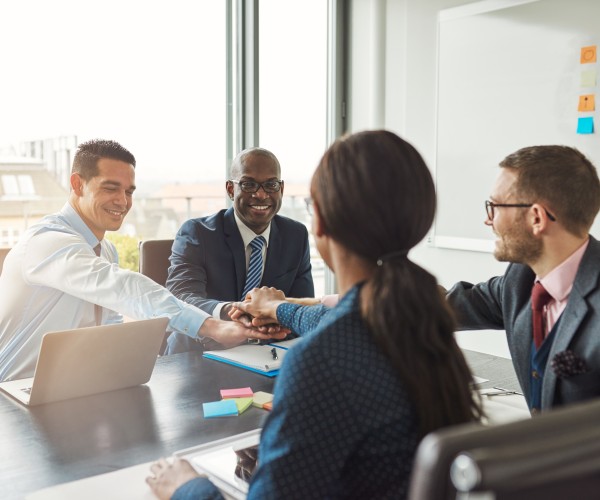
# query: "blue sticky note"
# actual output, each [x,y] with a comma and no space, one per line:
[224,408]
[585,125]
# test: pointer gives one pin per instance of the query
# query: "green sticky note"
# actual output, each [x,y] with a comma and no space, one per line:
[585,125]
[242,404]
[223,408]
[588,78]
[260,398]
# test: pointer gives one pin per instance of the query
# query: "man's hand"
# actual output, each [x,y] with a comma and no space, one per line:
[230,333]
[167,477]
[262,325]
[261,304]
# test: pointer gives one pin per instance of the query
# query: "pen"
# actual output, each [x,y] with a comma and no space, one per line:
[274,353]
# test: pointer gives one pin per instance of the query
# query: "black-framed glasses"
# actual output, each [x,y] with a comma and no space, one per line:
[490,206]
[273,186]
[309,206]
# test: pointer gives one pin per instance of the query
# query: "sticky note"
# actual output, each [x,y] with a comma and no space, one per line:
[588,78]
[260,398]
[585,125]
[588,54]
[242,404]
[243,392]
[587,103]
[223,408]
[268,406]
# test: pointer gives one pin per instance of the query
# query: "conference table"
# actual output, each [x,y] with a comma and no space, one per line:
[70,440]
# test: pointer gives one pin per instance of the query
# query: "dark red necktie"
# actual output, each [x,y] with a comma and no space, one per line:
[539,298]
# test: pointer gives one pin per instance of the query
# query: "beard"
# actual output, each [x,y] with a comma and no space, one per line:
[518,245]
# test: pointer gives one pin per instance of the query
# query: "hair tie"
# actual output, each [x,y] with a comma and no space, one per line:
[397,255]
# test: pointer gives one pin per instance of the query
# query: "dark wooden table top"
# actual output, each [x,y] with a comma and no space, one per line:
[60,442]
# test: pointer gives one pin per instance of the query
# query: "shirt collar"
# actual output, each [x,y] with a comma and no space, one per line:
[77,223]
[559,281]
[248,235]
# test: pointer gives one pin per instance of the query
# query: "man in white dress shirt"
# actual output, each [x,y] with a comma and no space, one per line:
[62,269]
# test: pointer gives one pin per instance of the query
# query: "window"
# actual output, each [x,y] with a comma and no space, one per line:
[293,99]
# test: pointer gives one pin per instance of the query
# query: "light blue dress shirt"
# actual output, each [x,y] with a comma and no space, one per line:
[51,281]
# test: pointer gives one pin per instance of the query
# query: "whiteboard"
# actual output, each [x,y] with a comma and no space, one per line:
[509,76]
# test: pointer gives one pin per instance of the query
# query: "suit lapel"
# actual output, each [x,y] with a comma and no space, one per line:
[234,241]
[273,248]
[586,281]
[521,352]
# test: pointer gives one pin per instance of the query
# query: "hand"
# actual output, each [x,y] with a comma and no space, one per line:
[230,334]
[262,303]
[167,477]
[262,325]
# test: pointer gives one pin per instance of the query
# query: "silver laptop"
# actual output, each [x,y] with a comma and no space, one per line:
[85,361]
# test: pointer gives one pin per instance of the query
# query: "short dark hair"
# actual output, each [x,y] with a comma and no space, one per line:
[88,153]
[238,161]
[560,177]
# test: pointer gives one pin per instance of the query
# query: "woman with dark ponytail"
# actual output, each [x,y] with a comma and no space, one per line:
[382,368]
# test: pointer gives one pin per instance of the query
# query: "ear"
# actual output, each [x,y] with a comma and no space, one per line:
[539,219]
[318,225]
[281,190]
[229,189]
[77,183]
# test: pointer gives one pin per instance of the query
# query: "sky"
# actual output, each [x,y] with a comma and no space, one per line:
[151,75]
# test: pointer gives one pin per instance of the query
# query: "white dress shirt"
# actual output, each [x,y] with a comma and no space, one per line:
[51,281]
[247,237]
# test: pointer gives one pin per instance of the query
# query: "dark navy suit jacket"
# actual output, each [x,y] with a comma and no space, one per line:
[208,264]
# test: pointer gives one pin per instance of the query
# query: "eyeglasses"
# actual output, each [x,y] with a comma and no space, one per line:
[490,206]
[309,205]
[253,186]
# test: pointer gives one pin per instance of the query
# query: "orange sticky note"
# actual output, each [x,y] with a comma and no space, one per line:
[587,103]
[588,54]
[268,406]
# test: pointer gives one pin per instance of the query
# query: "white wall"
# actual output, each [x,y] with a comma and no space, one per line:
[408,96]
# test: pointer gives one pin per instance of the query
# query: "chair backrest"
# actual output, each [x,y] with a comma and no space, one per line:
[154,259]
[3,252]
[554,455]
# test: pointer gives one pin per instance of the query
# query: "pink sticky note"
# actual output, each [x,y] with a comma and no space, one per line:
[244,392]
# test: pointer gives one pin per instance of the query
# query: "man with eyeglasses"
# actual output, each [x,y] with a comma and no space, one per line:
[217,259]
[541,209]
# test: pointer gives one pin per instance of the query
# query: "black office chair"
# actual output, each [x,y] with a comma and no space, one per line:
[154,263]
[553,456]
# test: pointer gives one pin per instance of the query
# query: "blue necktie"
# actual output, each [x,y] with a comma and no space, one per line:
[256,265]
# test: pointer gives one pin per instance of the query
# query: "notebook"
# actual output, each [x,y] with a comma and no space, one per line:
[263,359]
[85,361]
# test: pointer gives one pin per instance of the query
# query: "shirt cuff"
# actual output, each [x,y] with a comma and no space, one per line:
[217,310]
[188,321]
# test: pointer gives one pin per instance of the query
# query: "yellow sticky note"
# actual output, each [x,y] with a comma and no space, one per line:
[588,54]
[243,404]
[260,398]
[587,103]
[588,78]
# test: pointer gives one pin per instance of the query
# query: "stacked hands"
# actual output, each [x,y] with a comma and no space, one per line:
[259,311]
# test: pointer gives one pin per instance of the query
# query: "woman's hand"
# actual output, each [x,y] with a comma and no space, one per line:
[167,477]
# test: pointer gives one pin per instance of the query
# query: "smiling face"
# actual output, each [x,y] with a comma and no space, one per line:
[515,240]
[105,199]
[255,209]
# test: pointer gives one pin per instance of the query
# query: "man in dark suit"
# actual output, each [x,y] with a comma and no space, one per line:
[212,256]
[541,210]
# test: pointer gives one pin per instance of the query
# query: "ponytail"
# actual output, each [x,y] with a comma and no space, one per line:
[412,323]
